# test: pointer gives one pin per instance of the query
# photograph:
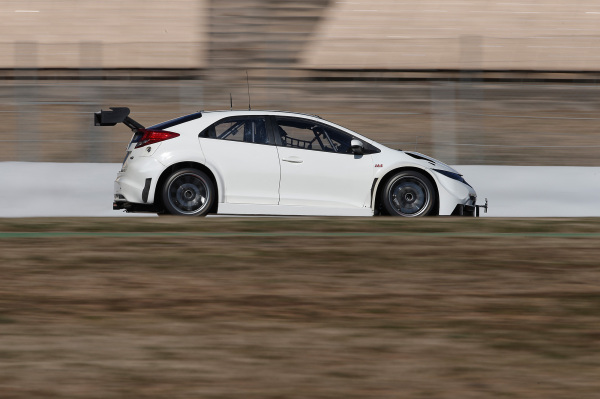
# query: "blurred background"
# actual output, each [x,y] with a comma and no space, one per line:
[469,82]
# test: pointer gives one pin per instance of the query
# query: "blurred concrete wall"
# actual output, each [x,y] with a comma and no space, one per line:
[562,35]
[130,34]
[528,35]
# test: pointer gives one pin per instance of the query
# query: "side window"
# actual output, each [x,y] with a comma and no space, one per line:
[341,141]
[244,129]
[305,134]
[311,135]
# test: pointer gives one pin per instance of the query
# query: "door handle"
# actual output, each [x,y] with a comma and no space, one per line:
[292,160]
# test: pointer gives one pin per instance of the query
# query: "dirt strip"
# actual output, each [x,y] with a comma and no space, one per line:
[330,308]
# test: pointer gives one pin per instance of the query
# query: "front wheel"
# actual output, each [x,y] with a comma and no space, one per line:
[409,194]
[188,192]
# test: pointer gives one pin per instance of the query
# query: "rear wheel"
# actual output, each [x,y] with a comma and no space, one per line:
[409,194]
[188,192]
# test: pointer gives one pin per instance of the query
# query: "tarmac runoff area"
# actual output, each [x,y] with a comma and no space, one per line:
[39,189]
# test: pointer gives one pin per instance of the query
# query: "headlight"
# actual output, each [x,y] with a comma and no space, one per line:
[452,175]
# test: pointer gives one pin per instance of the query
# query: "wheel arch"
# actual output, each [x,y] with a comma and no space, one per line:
[183,165]
[377,202]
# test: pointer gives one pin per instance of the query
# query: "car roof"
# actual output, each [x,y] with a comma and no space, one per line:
[261,112]
[219,114]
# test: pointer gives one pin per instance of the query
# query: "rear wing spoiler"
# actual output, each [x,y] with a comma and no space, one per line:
[114,116]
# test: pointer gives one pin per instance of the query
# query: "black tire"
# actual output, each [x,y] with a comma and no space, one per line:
[409,194]
[188,192]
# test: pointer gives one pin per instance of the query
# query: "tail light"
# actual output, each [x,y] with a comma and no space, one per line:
[154,136]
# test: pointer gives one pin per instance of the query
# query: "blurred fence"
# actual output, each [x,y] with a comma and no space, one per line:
[47,118]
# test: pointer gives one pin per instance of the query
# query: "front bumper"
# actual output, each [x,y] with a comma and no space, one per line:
[469,210]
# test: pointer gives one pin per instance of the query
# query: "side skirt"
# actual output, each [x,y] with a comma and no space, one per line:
[290,210]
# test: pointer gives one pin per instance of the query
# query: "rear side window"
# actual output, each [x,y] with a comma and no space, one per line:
[243,129]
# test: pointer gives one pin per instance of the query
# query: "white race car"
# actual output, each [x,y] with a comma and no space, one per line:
[277,163]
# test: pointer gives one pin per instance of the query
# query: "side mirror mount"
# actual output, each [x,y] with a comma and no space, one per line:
[357,146]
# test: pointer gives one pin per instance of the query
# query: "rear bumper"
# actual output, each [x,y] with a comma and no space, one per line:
[137,185]
[133,207]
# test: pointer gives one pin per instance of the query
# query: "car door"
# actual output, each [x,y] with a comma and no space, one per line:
[318,167]
[243,153]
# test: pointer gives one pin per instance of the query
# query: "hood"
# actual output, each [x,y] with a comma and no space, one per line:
[432,162]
